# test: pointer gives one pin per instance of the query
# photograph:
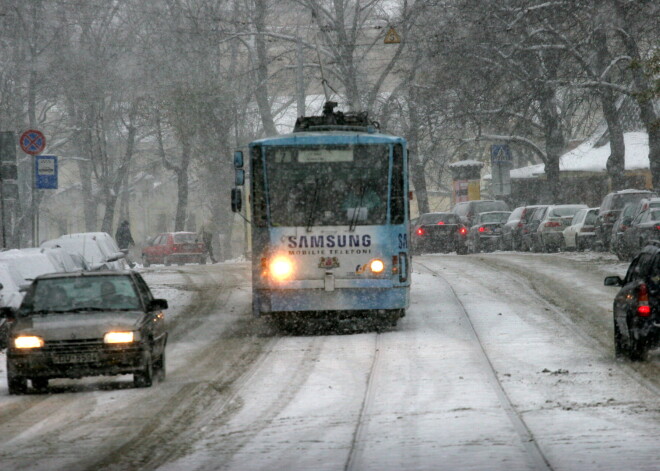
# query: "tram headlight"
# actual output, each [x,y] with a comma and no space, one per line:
[377,266]
[281,268]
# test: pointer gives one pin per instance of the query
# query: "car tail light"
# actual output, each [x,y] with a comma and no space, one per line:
[441,223]
[552,224]
[395,264]
[520,224]
[657,228]
[420,231]
[482,229]
[462,231]
[643,308]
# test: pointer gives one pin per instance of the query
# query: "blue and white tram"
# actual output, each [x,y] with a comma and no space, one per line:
[330,219]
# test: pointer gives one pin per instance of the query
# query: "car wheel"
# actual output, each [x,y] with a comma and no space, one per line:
[145,262]
[619,347]
[202,260]
[461,249]
[578,246]
[167,262]
[638,350]
[145,377]
[40,384]
[160,367]
[16,384]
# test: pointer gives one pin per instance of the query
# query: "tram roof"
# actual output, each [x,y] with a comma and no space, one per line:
[329,137]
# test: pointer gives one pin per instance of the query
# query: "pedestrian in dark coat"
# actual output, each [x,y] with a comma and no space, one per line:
[123,236]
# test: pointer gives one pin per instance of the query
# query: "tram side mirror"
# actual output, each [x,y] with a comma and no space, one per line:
[238,159]
[239,177]
[236,200]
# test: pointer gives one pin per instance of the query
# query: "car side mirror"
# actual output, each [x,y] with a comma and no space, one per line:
[158,304]
[7,313]
[238,159]
[613,281]
[239,177]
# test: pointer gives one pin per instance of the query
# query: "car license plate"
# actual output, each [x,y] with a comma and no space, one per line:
[89,357]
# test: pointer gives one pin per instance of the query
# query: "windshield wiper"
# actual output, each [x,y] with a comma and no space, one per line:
[87,308]
[356,210]
[312,212]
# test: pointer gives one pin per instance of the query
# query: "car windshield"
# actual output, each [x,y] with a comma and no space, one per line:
[486,206]
[620,200]
[438,218]
[185,238]
[591,218]
[78,294]
[493,217]
[563,211]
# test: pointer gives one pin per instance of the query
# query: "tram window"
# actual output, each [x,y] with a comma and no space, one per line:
[398,197]
[258,188]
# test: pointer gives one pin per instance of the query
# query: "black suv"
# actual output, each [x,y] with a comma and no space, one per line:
[467,210]
[77,324]
[610,208]
[637,305]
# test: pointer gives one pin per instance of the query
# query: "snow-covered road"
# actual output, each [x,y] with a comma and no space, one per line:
[504,361]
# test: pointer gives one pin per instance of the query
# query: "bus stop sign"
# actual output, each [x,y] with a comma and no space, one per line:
[45,167]
[32,142]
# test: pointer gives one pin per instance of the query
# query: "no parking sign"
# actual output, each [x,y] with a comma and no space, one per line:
[32,142]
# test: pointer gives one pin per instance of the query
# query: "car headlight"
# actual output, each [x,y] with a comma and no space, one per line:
[377,266]
[118,337]
[281,268]
[28,341]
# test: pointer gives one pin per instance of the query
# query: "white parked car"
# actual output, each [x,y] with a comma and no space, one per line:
[12,286]
[31,262]
[552,222]
[98,249]
[581,234]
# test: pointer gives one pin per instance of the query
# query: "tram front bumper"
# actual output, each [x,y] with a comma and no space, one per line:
[314,295]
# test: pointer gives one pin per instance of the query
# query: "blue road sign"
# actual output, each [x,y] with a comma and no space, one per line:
[500,153]
[45,168]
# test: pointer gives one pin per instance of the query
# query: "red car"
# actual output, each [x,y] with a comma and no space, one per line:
[175,247]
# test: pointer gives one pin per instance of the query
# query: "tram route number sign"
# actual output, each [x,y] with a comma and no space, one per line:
[45,167]
[32,142]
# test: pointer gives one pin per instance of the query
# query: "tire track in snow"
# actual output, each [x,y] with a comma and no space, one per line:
[353,460]
[534,453]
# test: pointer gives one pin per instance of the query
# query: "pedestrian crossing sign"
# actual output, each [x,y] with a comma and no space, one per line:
[392,37]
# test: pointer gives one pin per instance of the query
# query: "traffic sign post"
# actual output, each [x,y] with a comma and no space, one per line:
[501,162]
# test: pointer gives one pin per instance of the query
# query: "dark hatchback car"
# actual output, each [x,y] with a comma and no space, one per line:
[643,229]
[611,206]
[438,232]
[487,230]
[71,325]
[468,210]
[637,305]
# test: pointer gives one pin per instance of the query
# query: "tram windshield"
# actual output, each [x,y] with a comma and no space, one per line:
[327,185]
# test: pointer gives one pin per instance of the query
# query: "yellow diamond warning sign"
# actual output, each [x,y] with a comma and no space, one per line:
[392,37]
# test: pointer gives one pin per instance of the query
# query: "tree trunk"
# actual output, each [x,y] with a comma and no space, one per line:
[261,90]
[617,158]
[182,187]
[643,94]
